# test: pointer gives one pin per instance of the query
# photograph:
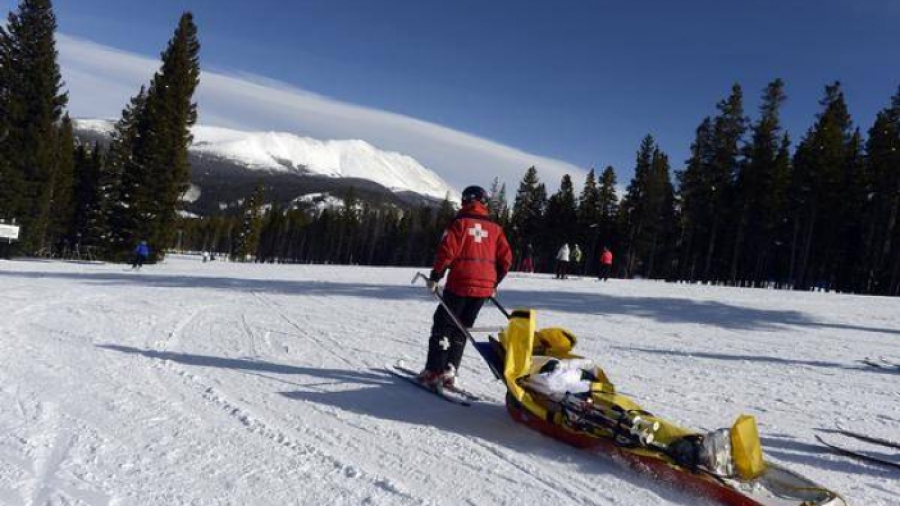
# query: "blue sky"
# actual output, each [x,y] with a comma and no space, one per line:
[577,81]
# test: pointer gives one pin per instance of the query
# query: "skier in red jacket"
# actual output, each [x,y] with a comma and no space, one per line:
[606,260]
[475,250]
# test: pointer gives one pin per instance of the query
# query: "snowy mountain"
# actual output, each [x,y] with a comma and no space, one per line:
[230,162]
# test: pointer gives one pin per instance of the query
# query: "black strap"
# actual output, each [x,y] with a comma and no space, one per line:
[474,217]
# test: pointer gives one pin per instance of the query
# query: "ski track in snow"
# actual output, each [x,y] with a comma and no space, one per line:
[219,383]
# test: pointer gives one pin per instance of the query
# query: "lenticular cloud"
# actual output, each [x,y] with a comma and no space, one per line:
[101,79]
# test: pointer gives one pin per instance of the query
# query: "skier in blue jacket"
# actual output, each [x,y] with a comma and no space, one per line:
[141,253]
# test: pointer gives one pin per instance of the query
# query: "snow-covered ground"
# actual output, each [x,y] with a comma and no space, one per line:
[218,383]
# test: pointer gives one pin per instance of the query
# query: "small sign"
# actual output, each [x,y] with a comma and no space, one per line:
[9,232]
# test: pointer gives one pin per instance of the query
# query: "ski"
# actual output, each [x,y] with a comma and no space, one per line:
[469,396]
[858,455]
[880,364]
[439,392]
[869,439]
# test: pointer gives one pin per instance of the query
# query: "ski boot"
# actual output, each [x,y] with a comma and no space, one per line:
[448,378]
[430,378]
[711,452]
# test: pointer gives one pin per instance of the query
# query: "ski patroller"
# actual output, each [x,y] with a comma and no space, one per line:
[640,448]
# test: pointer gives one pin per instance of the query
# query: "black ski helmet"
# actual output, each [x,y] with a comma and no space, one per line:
[474,193]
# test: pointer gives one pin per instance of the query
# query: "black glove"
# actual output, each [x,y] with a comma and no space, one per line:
[433,281]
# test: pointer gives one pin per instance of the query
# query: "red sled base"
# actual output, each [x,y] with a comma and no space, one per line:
[776,487]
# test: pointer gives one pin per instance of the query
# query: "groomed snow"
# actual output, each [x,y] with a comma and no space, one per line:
[219,383]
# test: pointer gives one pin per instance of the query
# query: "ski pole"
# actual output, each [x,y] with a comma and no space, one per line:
[459,325]
[500,307]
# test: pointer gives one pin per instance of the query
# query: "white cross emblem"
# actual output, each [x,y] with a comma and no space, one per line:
[478,233]
[444,343]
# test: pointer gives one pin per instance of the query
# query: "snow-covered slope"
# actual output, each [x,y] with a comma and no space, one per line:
[285,152]
[242,384]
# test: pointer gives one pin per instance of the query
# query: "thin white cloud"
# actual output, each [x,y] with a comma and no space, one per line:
[101,79]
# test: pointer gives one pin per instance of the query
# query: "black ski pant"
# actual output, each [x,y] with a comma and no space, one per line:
[562,269]
[605,271]
[447,342]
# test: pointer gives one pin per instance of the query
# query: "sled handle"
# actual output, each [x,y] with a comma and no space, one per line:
[492,298]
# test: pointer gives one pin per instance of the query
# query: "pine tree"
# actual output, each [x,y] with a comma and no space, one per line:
[778,223]
[589,218]
[528,212]
[92,211]
[562,216]
[171,113]
[271,235]
[124,185]
[445,213]
[882,264]
[647,213]
[503,211]
[848,264]
[635,212]
[32,105]
[608,209]
[86,176]
[706,192]
[151,149]
[589,202]
[728,130]
[663,206]
[755,192]
[497,200]
[246,242]
[693,192]
[62,210]
[11,180]
[821,171]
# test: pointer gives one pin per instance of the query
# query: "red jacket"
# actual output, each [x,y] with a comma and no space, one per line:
[475,250]
[606,258]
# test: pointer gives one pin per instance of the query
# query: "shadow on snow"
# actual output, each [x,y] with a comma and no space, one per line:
[383,396]
[789,449]
[753,358]
[661,309]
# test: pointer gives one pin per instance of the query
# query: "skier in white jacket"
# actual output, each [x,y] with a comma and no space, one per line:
[562,262]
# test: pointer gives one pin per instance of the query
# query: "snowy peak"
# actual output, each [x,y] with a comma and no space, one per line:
[289,153]
[279,151]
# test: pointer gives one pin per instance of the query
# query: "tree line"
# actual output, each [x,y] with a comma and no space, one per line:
[71,199]
[745,210]
[354,232]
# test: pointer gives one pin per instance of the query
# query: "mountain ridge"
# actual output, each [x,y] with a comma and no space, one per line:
[227,164]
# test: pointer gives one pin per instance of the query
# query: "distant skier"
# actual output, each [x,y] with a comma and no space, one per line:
[562,262]
[528,263]
[475,250]
[606,260]
[140,253]
[576,259]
